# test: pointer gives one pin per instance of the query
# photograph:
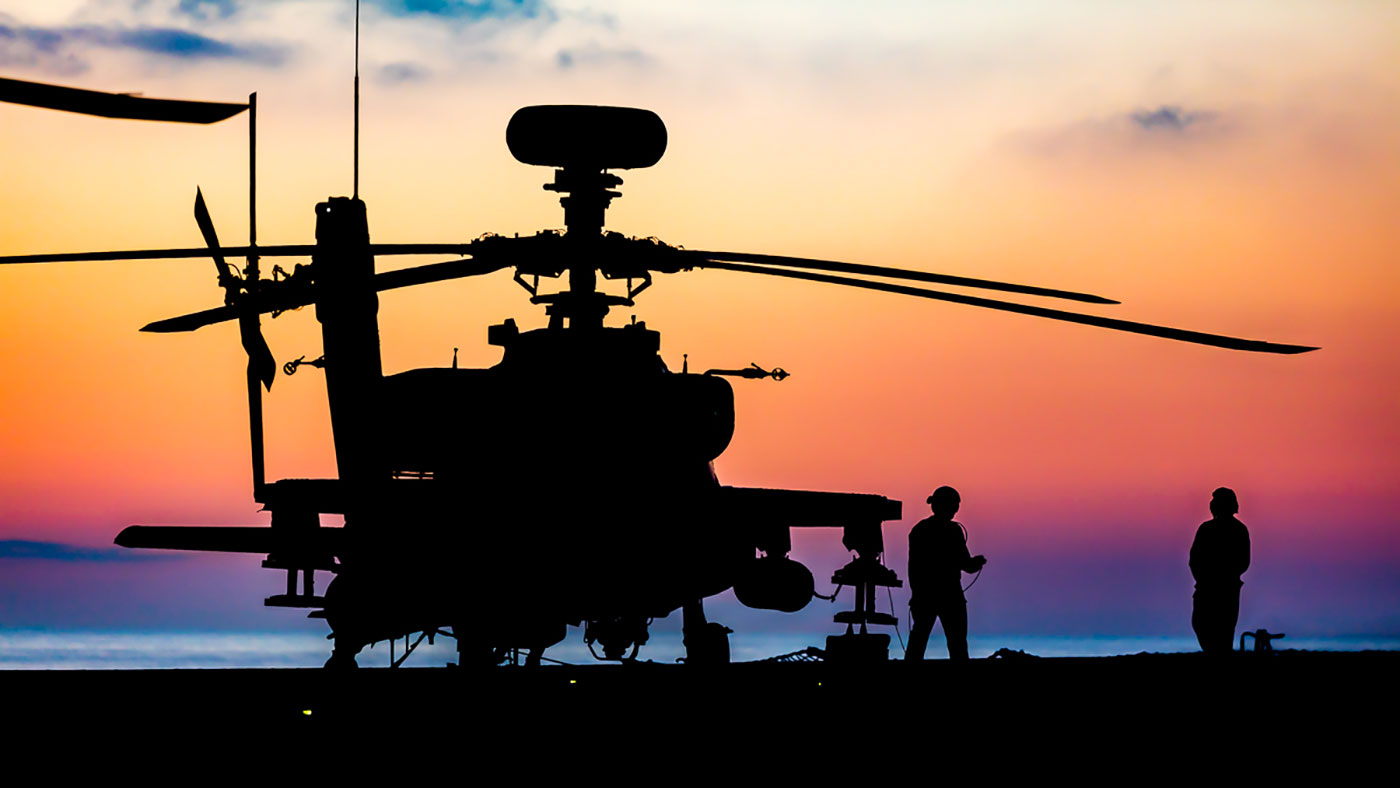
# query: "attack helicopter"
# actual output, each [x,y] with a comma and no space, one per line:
[590,525]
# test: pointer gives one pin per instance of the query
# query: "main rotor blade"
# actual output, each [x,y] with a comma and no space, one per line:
[437,272]
[114,105]
[900,273]
[1179,334]
[283,250]
[389,280]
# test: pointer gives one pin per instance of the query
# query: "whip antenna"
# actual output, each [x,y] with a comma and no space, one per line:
[357,99]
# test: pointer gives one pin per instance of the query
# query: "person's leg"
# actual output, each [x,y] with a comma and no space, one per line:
[1229,617]
[918,632]
[1199,623]
[955,627]
[1213,617]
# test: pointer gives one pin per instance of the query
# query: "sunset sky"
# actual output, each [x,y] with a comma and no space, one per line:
[1226,167]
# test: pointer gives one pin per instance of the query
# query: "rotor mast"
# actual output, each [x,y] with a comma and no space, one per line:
[586,196]
[583,143]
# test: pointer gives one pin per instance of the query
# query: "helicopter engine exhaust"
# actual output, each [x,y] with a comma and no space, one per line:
[775,583]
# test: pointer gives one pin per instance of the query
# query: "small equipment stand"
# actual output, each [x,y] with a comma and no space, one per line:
[864,573]
[1263,641]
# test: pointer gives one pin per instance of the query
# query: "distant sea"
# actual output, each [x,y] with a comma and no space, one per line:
[90,650]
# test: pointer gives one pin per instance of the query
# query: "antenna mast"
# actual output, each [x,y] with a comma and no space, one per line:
[357,99]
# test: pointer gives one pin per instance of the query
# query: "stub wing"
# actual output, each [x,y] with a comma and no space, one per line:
[313,548]
[808,508]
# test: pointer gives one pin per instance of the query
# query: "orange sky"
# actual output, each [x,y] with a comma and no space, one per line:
[996,145]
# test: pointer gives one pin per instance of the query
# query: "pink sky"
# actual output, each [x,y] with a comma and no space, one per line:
[1005,146]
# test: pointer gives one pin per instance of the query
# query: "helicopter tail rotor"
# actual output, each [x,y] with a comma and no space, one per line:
[288,294]
[240,297]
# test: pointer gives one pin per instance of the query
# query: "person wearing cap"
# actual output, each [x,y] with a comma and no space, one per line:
[938,556]
[1219,556]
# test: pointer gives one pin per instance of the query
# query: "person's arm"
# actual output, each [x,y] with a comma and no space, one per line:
[966,561]
[1244,548]
[1195,555]
[918,555]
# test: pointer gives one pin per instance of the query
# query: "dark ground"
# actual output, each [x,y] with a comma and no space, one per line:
[1261,719]
[1288,689]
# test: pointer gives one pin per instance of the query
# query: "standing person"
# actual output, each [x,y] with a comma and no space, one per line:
[1219,556]
[937,558]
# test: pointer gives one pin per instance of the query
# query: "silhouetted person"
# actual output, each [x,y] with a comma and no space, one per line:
[937,558]
[1219,556]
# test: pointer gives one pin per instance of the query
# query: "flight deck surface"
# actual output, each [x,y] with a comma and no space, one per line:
[1146,701]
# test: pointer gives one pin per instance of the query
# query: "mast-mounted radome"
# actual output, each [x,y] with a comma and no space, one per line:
[583,143]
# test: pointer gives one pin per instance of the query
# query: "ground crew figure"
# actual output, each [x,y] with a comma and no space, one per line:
[1219,556]
[937,558]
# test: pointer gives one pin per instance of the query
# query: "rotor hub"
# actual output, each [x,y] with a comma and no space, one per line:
[583,143]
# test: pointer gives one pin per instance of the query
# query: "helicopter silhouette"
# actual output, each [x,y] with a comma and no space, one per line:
[605,515]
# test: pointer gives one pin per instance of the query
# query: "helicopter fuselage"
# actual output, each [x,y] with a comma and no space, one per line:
[572,482]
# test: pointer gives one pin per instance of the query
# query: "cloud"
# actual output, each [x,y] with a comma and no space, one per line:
[589,16]
[60,49]
[268,33]
[595,55]
[399,73]
[1168,128]
[463,9]
[1168,117]
[204,10]
[178,43]
[36,48]
[57,551]
[471,10]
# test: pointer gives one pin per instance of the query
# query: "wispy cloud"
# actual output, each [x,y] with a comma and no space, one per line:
[1169,127]
[399,73]
[464,9]
[37,48]
[1169,118]
[179,43]
[207,9]
[62,49]
[57,551]
[595,55]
